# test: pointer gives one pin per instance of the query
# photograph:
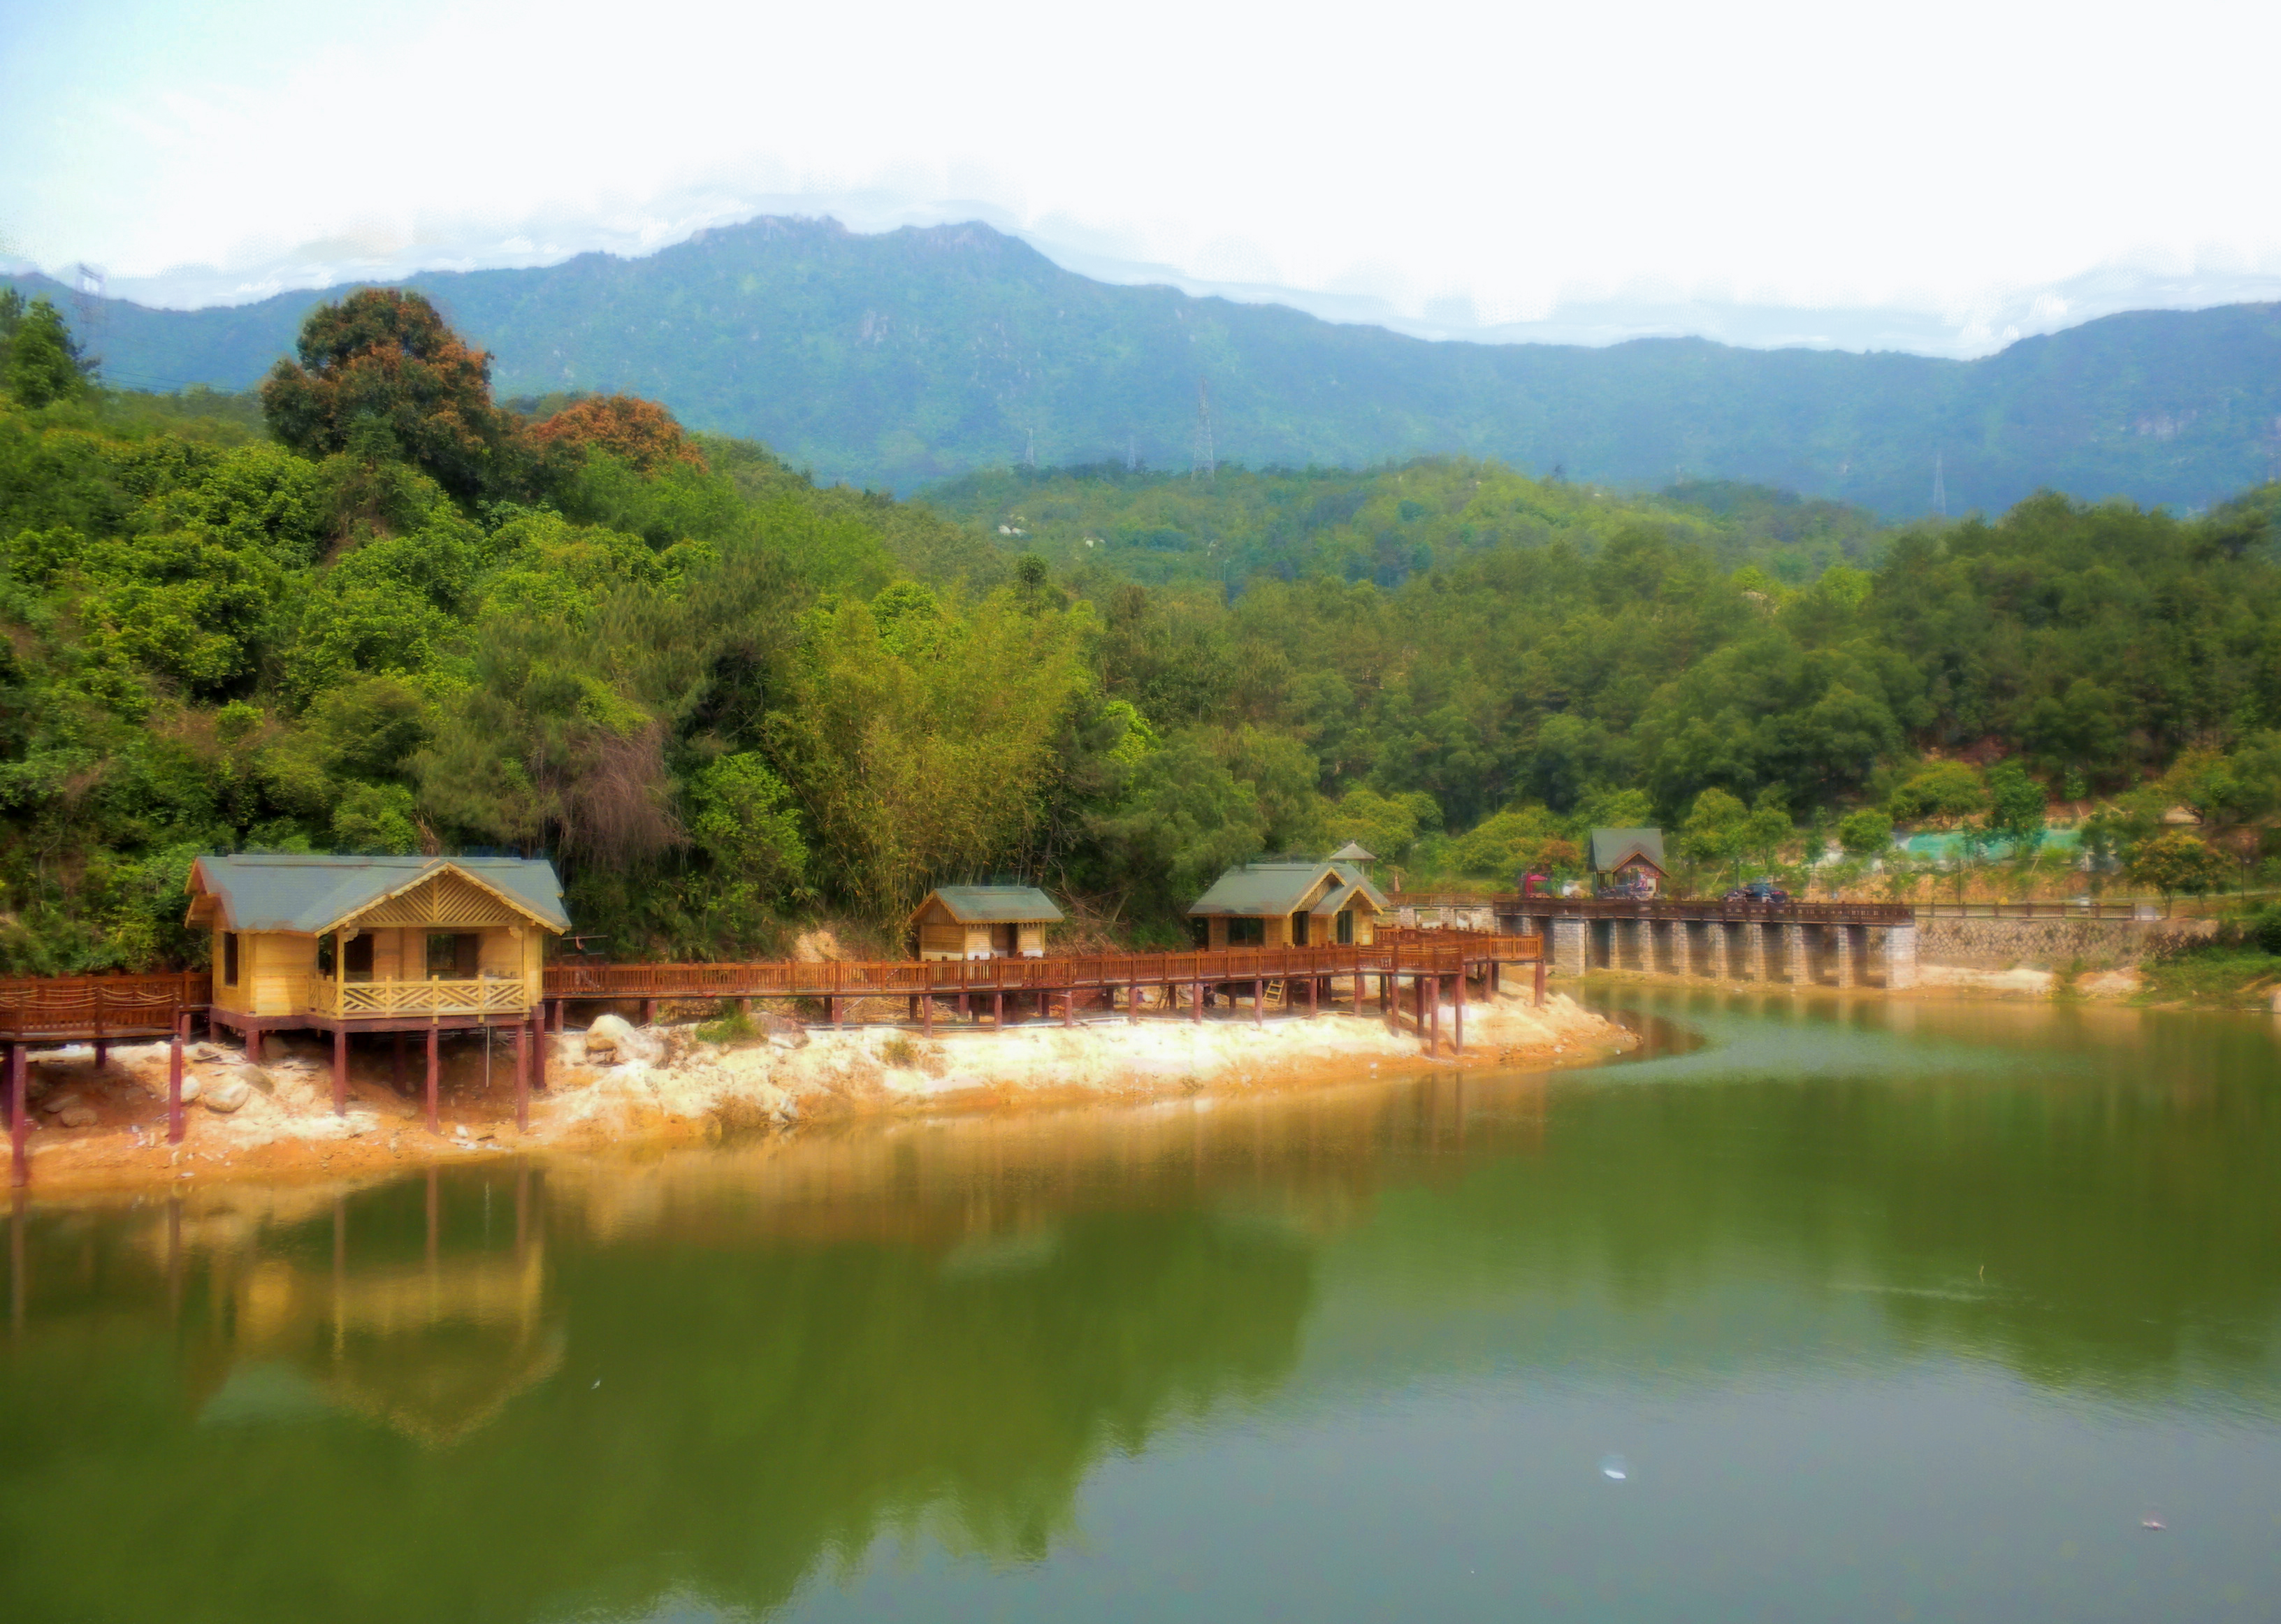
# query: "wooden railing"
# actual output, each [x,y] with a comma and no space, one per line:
[58,1008]
[1414,952]
[2039,910]
[1708,908]
[366,1000]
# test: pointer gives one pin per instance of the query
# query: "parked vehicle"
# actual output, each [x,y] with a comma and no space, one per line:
[1758,891]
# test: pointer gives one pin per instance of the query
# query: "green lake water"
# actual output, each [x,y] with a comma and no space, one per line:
[1820,1311]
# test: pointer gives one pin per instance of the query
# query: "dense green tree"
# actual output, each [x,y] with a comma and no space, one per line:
[1864,832]
[43,363]
[1940,792]
[2177,862]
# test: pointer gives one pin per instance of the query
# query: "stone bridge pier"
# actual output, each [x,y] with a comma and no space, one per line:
[1807,945]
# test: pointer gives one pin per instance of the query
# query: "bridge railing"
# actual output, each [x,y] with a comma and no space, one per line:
[1663,908]
[58,1008]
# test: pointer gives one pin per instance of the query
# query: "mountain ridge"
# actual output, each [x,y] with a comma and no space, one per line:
[908,357]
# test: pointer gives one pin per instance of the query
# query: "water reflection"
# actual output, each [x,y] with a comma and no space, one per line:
[526,1393]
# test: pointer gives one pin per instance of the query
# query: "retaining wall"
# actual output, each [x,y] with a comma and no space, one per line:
[2051,944]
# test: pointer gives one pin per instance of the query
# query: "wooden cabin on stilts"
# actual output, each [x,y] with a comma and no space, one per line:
[400,946]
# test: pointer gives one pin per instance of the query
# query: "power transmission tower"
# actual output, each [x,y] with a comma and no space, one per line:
[87,285]
[1939,489]
[1206,464]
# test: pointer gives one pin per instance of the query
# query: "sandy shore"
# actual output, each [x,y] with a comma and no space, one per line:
[661,1084]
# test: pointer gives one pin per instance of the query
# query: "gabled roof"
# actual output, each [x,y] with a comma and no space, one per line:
[1611,848]
[994,904]
[307,895]
[1279,885]
[1337,900]
[1353,851]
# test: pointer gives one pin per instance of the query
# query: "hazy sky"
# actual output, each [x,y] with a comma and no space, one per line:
[1965,167]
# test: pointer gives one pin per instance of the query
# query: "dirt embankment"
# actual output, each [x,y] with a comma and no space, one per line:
[615,1084]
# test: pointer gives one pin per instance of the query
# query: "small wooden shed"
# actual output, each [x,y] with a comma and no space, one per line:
[375,943]
[1630,858]
[983,922]
[1289,902]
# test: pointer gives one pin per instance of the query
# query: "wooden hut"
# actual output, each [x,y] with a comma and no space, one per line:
[983,922]
[375,944]
[1289,902]
[1630,860]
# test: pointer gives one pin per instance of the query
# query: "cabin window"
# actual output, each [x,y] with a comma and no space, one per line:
[454,957]
[1247,932]
[229,958]
[1346,927]
[1299,929]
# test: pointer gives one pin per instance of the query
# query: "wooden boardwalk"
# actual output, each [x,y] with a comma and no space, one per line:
[1400,957]
[1425,965]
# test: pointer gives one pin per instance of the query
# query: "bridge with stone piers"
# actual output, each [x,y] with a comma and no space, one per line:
[1794,944]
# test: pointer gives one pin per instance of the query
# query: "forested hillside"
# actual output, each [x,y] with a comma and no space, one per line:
[380,612]
[1382,525]
[898,360]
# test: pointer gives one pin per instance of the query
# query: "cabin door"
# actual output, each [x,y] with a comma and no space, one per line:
[357,958]
[1346,927]
[1006,941]
[1299,929]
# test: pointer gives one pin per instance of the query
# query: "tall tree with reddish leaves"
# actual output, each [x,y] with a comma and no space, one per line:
[381,372]
[641,432]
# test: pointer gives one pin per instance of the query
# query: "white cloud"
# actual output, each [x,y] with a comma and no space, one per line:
[1943,170]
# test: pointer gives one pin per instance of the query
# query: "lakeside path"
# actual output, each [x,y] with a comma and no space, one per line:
[615,1087]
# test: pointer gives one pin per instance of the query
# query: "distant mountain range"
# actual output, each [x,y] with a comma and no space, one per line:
[904,358]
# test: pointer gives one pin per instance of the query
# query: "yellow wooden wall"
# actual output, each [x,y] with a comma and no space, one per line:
[273,968]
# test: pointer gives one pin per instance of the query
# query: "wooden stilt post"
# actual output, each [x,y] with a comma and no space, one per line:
[998,1011]
[20,1120]
[539,1053]
[1457,1015]
[1258,1001]
[1433,989]
[649,1011]
[435,1071]
[102,1052]
[174,1089]
[1314,992]
[523,1077]
[340,1071]
[926,1013]
[1196,1002]
[253,1044]
[963,1010]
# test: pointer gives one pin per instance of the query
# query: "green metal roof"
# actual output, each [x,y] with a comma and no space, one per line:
[1613,847]
[998,904]
[308,893]
[1255,890]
